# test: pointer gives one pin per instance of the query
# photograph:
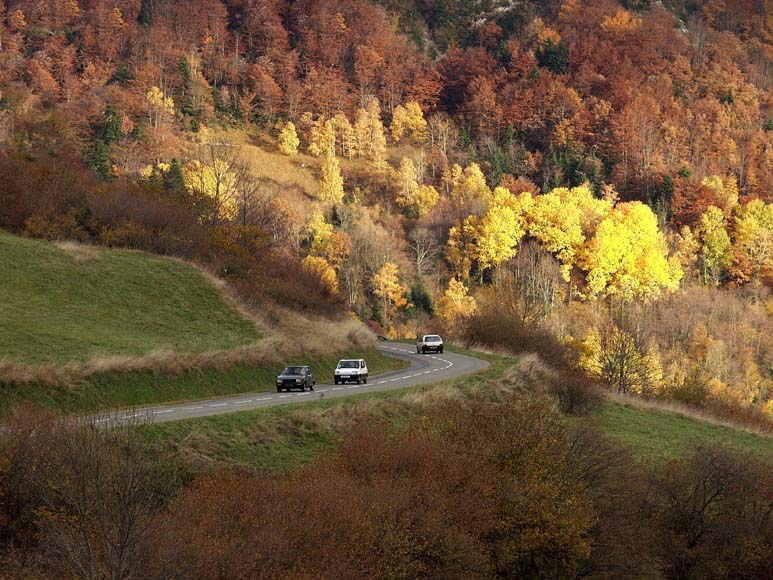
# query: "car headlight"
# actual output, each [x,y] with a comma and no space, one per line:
[298,381]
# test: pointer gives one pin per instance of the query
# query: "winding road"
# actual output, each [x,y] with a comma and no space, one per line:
[424,369]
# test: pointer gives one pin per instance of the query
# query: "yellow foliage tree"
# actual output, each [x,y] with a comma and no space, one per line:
[715,244]
[345,136]
[650,381]
[452,177]
[501,228]
[417,200]
[425,198]
[470,186]
[460,248]
[409,121]
[767,408]
[620,23]
[159,105]
[320,268]
[288,139]
[687,249]
[726,190]
[628,256]
[323,137]
[754,236]
[326,241]
[561,220]
[321,235]
[215,181]
[369,135]
[589,355]
[406,182]
[331,187]
[455,305]
[387,286]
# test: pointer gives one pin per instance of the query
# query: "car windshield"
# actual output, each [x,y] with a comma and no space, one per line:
[349,364]
[293,371]
[432,338]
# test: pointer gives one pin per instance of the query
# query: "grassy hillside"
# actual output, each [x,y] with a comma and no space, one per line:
[71,303]
[659,436]
[67,304]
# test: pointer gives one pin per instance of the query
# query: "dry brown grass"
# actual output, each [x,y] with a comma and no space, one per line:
[296,172]
[79,252]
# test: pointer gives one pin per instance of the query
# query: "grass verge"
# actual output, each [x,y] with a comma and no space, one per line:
[113,390]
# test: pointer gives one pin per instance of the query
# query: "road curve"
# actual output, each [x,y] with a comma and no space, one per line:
[424,369]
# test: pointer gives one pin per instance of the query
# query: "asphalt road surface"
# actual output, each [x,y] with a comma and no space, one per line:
[424,369]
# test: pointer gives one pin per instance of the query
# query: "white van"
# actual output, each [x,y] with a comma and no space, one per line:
[351,369]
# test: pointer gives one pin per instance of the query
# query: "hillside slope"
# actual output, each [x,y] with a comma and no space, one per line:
[67,303]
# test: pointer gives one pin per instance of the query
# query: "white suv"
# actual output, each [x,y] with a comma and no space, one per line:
[351,369]
[429,342]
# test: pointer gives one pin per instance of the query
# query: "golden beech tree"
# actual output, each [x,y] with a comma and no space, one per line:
[369,135]
[754,237]
[687,250]
[345,137]
[725,190]
[159,106]
[214,179]
[460,247]
[331,187]
[323,137]
[417,200]
[322,270]
[470,185]
[387,286]
[628,256]
[409,121]
[320,234]
[715,245]
[562,220]
[455,305]
[406,182]
[501,228]
[288,139]
[327,242]
[452,177]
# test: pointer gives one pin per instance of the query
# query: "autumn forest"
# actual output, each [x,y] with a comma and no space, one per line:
[590,180]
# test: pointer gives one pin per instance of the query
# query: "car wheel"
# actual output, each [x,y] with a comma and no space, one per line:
[335,381]
[279,389]
[365,380]
[441,350]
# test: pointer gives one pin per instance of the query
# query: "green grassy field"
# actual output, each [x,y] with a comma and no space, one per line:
[659,436]
[74,304]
